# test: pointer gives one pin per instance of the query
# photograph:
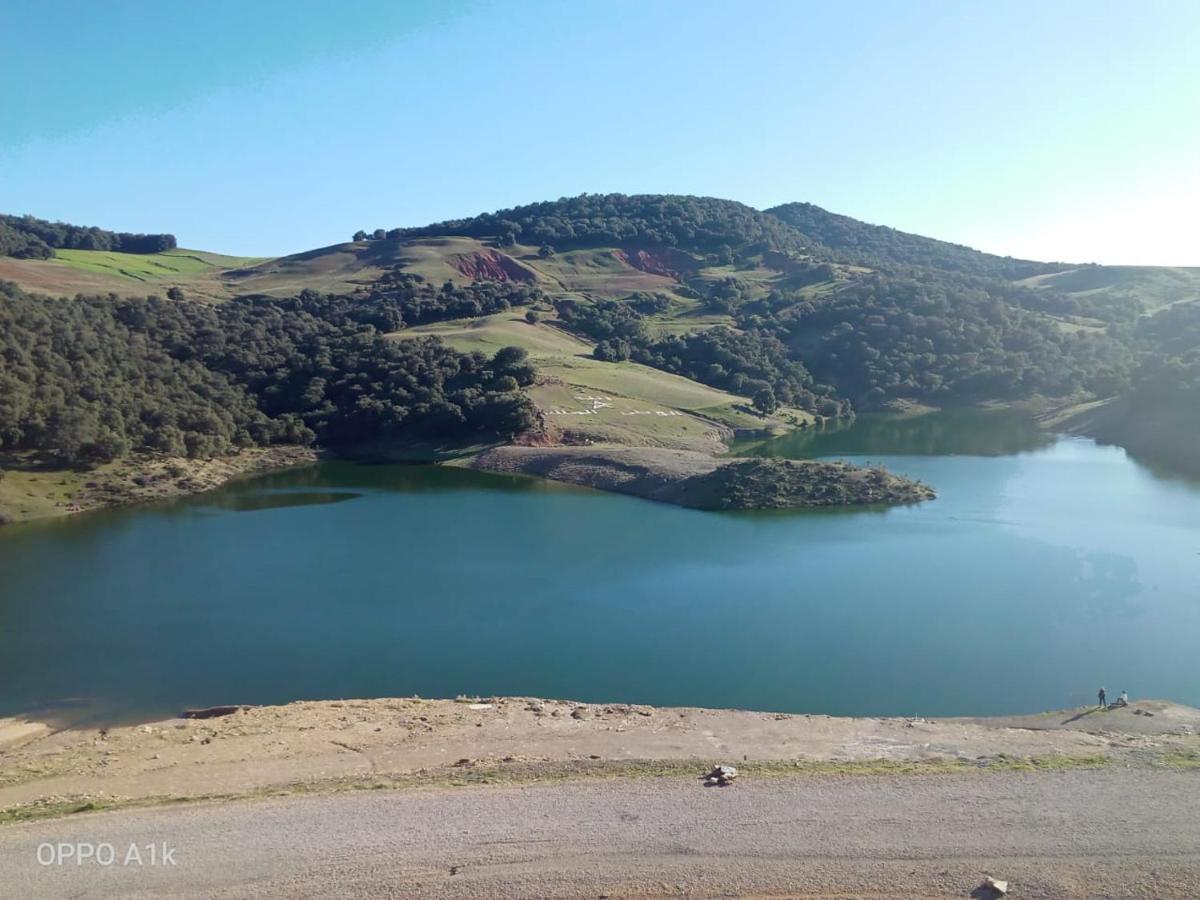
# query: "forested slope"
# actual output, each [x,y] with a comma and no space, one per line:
[863,242]
[88,380]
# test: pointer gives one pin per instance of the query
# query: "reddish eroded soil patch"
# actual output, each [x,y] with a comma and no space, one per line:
[492,266]
[664,261]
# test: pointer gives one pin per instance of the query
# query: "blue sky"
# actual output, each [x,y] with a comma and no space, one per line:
[1064,130]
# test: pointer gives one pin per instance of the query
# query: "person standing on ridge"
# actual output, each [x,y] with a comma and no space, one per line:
[1103,699]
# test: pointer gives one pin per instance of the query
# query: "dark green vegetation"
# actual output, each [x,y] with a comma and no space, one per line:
[1158,420]
[794,309]
[937,338]
[399,299]
[1169,371]
[875,314]
[26,237]
[723,228]
[859,242]
[752,363]
[89,380]
[787,484]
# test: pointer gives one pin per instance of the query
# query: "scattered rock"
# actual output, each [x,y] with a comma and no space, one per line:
[998,887]
[720,776]
[211,712]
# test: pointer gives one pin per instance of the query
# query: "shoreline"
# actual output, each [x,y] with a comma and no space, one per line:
[52,766]
[700,481]
[688,478]
[140,478]
[1140,432]
[681,477]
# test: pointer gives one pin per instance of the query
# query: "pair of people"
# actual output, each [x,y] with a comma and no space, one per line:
[1123,700]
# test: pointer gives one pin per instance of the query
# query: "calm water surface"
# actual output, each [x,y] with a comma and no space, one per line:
[1045,568]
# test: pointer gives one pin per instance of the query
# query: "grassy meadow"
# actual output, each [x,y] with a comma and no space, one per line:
[636,394]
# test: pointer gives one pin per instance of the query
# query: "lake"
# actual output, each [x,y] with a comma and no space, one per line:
[1046,568]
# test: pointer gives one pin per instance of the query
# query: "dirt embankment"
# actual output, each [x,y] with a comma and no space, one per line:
[694,479]
[45,761]
[493,266]
[665,261]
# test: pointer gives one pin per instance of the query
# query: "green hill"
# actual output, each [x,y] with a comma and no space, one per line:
[795,311]
[865,243]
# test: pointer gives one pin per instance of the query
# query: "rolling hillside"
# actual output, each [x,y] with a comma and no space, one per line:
[704,307]
[585,400]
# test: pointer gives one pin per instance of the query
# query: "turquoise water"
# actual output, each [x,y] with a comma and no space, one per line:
[1036,576]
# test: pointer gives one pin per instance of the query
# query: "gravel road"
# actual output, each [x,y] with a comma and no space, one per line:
[1093,833]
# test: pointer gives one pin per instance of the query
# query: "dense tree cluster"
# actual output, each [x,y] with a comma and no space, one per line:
[752,363]
[400,299]
[947,340]
[22,244]
[78,382]
[1168,373]
[698,224]
[603,320]
[88,380]
[863,243]
[31,238]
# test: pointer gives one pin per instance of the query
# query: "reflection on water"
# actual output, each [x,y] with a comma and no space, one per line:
[245,502]
[945,433]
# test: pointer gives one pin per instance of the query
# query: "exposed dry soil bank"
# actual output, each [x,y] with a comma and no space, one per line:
[55,762]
